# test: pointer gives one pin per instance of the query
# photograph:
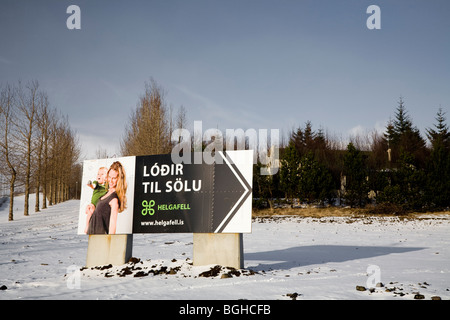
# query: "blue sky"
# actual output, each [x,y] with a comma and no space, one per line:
[232,64]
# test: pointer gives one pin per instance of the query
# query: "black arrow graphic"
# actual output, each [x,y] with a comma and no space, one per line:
[231,190]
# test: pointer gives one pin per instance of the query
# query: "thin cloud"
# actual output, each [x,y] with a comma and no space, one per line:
[4,60]
[207,107]
[236,115]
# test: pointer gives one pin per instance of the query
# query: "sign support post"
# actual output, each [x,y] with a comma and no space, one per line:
[225,249]
[104,249]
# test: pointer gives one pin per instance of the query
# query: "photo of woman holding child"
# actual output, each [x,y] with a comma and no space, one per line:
[106,213]
[104,218]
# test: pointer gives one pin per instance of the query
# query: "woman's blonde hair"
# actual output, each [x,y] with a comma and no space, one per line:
[121,187]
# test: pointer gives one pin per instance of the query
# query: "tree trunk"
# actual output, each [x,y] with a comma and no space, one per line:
[11,196]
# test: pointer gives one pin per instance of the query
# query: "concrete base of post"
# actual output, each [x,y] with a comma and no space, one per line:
[225,249]
[103,249]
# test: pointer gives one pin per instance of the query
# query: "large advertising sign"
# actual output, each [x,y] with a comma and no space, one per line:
[153,194]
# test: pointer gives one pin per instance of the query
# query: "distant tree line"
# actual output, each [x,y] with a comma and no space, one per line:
[397,170]
[39,152]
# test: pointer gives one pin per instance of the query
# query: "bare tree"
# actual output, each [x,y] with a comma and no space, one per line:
[37,147]
[49,117]
[27,104]
[43,121]
[65,152]
[52,161]
[101,153]
[181,121]
[8,145]
[150,124]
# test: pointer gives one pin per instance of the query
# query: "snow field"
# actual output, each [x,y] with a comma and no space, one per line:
[42,257]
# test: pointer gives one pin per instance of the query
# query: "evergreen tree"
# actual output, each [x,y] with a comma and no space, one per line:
[307,140]
[438,177]
[411,180]
[406,187]
[356,173]
[289,171]
[316,181]
[390,133]
[438,166]
[265,187]
[440,135]
[304,139]
[403,137]
[402,122]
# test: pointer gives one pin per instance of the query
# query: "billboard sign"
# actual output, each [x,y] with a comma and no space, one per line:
[152,194]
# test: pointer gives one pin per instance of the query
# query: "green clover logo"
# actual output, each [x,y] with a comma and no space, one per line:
[147,207]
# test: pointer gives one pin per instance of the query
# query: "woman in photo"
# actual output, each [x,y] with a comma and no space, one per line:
[104,218]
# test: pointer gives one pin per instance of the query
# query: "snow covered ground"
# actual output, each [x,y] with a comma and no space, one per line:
[42,257]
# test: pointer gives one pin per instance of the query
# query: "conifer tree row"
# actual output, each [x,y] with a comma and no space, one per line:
[395,171]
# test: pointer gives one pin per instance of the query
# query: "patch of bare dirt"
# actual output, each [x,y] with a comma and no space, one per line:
[316,212]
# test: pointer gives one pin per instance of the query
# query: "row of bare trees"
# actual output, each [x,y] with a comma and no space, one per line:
[38,149]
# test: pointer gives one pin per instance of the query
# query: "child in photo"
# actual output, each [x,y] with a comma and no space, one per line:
[100,189]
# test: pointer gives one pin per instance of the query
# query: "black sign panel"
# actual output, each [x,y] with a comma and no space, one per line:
[200,198]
